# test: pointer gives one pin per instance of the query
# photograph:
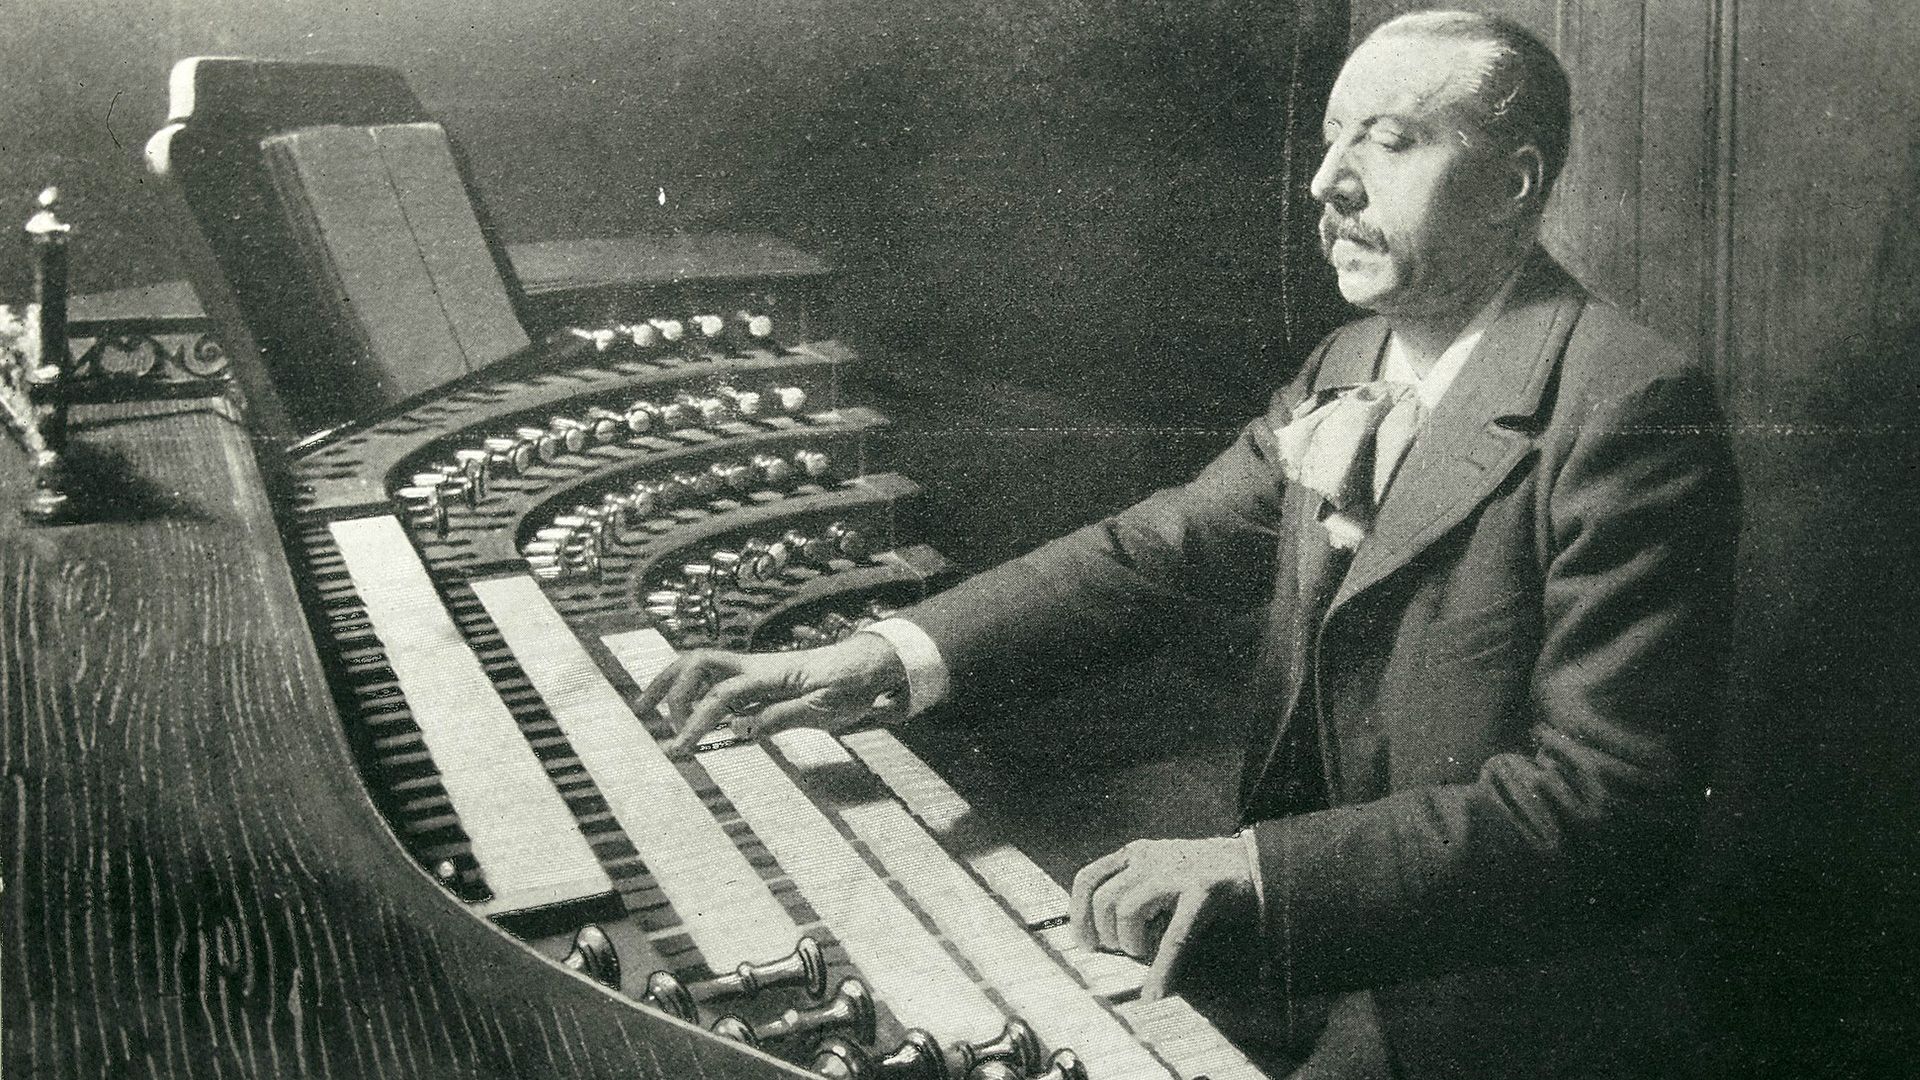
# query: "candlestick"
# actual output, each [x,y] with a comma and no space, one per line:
[46,388]
[49,235]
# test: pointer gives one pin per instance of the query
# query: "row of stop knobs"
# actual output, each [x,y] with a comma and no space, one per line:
[835,626]
[741,327]
[573,543]
[833,1034]
[694,597]
[469,475]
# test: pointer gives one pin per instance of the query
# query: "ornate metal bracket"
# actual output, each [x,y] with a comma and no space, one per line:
[41,376]
[141,358]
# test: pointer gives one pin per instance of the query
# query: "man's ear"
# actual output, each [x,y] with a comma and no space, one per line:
[1526,180]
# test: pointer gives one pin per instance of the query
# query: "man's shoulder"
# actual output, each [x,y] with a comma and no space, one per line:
[1620,376]
[1610,353]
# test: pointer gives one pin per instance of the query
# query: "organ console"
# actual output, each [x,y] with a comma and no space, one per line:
[489,570]
[489,625]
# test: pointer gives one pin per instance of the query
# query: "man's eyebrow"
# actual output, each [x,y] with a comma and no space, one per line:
[1398,119]
[1328,128]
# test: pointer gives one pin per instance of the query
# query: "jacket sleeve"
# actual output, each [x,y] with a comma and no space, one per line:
[1595,818]
[1193,549]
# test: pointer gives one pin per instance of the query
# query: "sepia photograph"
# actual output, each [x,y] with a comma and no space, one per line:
[960,540]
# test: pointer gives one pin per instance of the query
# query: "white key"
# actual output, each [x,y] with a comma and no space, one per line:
[1034,986]
[1187,1040]
[524,837]
[904,965]
[1026,888]
[726,907]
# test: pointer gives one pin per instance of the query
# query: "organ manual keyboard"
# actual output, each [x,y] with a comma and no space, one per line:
[494,573]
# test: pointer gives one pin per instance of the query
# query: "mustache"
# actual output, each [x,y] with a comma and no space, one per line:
[1334,226]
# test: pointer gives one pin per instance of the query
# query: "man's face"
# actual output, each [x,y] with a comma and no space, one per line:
[1417,210]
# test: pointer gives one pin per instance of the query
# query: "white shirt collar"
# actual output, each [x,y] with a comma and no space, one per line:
[1434,387]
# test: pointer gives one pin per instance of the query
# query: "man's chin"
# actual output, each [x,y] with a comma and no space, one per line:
[1364,290]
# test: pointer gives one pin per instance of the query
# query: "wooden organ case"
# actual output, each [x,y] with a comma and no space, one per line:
[393,812]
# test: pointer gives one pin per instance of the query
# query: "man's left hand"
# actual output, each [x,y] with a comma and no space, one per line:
[1118,899]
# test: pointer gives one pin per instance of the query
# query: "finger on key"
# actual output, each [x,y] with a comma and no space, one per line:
[1090,878]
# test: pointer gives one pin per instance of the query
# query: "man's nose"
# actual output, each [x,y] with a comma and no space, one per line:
[1335,183]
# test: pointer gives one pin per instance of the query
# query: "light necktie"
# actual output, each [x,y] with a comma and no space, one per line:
[1344,444]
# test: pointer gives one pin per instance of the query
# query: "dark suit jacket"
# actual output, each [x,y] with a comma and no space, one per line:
[1513,685]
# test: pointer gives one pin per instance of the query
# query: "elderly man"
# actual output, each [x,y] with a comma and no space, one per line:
[1492,527]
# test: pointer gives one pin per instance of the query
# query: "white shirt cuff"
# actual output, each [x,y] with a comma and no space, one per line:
[926,670]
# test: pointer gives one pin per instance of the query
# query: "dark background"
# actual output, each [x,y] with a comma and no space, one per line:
[1092,200]
[1077,194]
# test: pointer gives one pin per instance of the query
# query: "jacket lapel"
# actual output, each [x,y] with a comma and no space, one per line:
[1471,442]
[1353,357]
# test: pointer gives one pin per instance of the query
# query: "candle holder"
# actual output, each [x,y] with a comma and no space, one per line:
[121,359]
[33,368]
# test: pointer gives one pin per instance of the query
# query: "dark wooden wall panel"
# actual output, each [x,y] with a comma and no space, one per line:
[1598,218]
[1823,322]
[1675,161]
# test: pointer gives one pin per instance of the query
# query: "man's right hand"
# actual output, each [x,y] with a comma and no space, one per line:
[832,687]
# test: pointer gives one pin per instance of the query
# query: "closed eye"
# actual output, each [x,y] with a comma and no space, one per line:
[1389,139]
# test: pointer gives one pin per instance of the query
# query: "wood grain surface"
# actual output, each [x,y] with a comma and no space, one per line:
[192,881]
